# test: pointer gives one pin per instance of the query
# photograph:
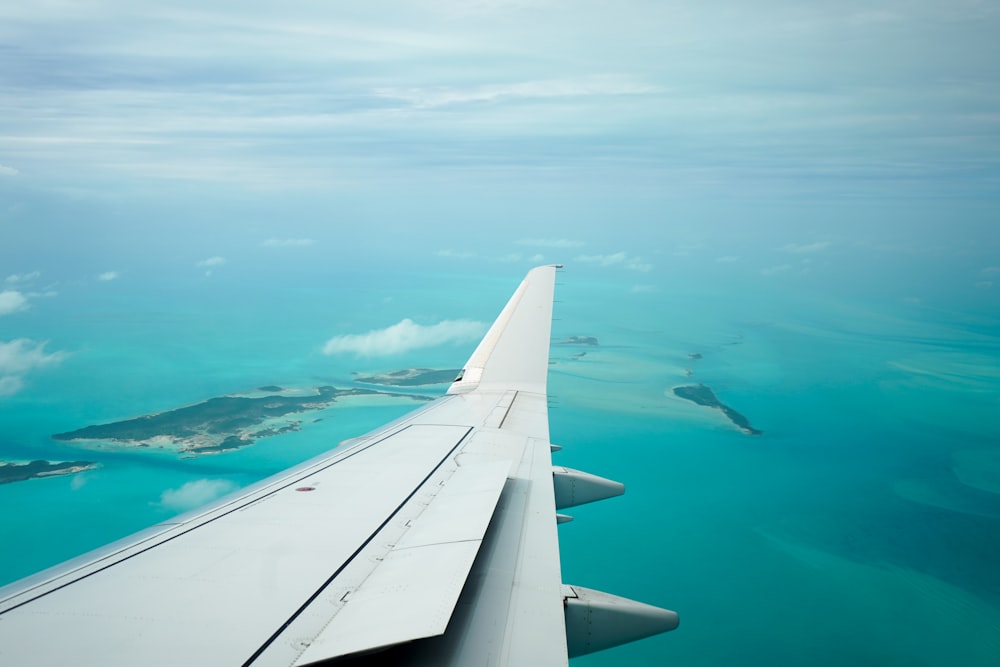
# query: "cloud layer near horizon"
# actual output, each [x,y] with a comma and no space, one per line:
[310,94]
[405,336]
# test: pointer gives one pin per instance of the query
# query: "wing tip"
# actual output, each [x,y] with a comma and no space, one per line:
[514,353]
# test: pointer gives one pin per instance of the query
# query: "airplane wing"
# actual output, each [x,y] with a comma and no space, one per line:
[429,541]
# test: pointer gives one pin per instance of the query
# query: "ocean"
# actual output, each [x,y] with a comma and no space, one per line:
[861,527]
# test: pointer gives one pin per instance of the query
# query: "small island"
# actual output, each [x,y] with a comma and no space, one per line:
[703,395]
[410,377]
[219,424]
[12,471]
[590,341]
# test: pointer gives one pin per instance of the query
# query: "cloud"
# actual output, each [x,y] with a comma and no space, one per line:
[551,243]
[8,171]
[617,259]
[537,258]
[774,270]
[210,263]
[287,243]
[643,289]
[17,278]
[108,276]
[728,259]
[598,86]
[10,385]
[800,249]
[195,494]
[12,301]
[991,271]
[405,336]
[458,254]
[20,357]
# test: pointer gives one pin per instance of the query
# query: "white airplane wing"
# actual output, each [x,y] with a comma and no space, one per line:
[430,541]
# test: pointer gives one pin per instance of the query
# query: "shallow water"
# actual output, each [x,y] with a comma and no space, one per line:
[862,526]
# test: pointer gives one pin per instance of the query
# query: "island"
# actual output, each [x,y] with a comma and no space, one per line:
[578,340]
[703,395]
[220,424]
[410,377]
[13,471]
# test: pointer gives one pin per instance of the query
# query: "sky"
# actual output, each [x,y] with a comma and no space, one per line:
[202,154]
[456,125]
[850,146]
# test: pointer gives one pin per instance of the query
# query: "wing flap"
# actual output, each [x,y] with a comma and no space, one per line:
[244,573]
[412,593]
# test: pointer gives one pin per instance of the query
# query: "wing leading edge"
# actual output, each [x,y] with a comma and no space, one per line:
[431,540]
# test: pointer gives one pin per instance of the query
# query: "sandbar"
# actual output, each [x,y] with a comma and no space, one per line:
[12,471]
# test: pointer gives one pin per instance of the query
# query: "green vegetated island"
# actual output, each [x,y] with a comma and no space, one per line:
[11,471]
[589,341]
[578,341]
[410,377]
[220,424]
[703,395]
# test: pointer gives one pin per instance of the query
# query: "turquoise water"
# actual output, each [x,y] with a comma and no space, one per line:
[862,527]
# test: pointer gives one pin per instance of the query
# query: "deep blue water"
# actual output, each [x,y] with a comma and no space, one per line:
[862,527]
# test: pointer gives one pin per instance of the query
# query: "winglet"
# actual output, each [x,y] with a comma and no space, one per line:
[514,354]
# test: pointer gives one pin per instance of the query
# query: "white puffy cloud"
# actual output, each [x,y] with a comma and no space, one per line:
[728,259]
[617,259]
[195,494]
[802,248]
[287,243]
[108,276]
[8,171]
[22,277]
[405,336]
[212,261]
[12,301]
[18,358]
